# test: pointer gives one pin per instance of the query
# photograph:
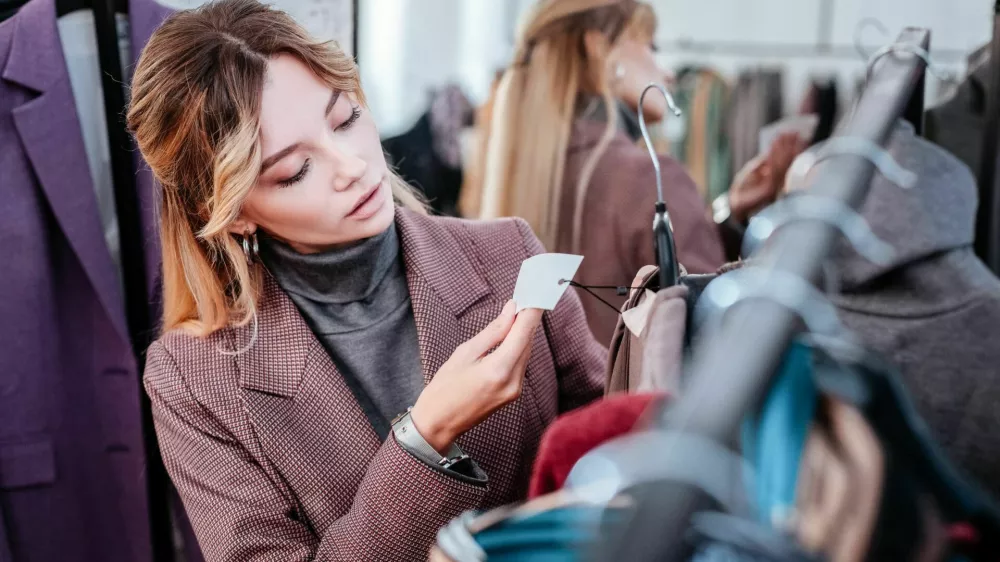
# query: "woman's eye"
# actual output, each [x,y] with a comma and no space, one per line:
[355,114]
[298,176]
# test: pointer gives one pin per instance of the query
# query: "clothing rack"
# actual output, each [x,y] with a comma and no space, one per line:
[755,49]
[732,370]
[987,244]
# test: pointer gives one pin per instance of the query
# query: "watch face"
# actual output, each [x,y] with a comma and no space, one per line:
[720,209]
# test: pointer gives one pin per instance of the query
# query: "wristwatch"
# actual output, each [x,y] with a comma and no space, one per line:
[721,210]
[410,439]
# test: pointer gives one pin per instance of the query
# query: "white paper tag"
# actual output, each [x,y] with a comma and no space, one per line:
[538,283]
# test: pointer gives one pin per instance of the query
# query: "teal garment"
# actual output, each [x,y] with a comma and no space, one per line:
[558,535]
[774,439]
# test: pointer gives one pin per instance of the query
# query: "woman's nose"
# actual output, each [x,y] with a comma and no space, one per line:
[349,168]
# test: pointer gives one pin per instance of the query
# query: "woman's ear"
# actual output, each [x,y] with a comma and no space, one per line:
[242,226]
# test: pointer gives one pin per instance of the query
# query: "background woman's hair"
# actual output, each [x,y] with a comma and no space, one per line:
[196,99]
[536,104]
[642,25]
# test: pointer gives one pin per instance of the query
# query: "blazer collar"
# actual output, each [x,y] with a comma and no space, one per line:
[444,280]
[36,57]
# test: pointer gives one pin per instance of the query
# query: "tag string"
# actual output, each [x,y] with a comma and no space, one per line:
[621,290]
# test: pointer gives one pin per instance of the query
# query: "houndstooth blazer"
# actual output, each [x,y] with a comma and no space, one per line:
[275,459]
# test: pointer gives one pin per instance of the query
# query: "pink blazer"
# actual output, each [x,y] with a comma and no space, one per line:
[275,460]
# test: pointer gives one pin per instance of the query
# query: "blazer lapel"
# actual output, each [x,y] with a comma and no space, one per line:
[50,133]
[288,374]
[444,283]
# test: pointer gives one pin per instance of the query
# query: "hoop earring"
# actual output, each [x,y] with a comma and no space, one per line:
[250,248]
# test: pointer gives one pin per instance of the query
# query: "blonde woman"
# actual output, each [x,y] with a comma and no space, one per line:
[560,157]
[324,388]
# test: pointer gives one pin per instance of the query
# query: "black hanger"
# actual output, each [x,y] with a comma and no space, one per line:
[663,236]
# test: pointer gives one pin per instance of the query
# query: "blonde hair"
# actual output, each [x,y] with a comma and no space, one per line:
[196,98]
[642,25]
[535,106]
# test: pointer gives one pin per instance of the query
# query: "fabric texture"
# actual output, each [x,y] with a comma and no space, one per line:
[450,113]
[73,464]
[958,125]
[429,155]
[412,156]
[652,360]
[935,308]
[703,94]
[574,434]
[357,304]
[616,237]
[756,101]
[275,459]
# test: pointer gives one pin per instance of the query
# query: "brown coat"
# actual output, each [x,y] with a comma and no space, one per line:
[275,459]
[616,237]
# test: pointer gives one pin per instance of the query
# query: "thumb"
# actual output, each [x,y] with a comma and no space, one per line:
[492,334]
[520,335]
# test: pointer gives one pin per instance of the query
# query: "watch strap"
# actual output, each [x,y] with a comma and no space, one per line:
[409,438]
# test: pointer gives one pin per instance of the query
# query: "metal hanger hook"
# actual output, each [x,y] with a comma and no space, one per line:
[810,206]
[912,49]
[645,132]
[880,157]
[781,287]
[860,28]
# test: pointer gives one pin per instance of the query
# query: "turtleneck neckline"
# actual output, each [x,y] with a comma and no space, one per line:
[338,276]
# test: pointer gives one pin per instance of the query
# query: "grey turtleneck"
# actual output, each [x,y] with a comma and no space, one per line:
[357,303]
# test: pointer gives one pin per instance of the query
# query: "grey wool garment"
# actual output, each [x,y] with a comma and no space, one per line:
[357,303]
[934,309]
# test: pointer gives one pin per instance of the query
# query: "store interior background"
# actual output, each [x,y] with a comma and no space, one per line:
[407,48]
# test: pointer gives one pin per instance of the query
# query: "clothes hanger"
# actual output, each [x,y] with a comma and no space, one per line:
[663,236]
[854,375]
[916,466]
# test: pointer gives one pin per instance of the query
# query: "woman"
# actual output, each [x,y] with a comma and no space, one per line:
[559,156]
[309,301]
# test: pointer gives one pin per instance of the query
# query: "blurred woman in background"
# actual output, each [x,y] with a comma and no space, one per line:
[561,155]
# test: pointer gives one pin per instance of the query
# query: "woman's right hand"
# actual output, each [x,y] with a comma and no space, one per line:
[474,383]
[759,182]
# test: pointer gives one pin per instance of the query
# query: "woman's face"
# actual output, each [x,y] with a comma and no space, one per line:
[324,180]
[633,67]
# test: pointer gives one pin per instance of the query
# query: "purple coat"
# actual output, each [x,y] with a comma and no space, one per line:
[72,482]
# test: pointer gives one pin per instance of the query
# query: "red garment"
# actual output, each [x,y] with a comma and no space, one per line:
[573,434]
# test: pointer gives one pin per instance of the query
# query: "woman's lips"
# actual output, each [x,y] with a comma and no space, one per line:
[369,204]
